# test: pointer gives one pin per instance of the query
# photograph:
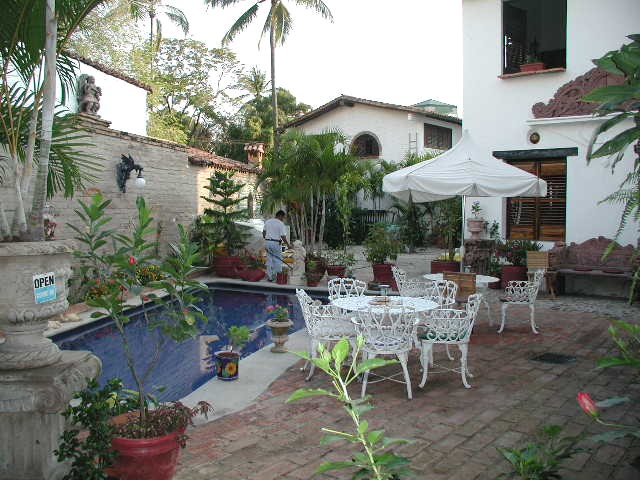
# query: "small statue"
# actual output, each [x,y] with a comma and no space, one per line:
[88,95]
[297,274]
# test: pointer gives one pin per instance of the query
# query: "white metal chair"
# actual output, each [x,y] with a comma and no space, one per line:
[345,287]
[444,293]
[387,331]
[399,275]
[520,292]
[416,288]
[450,327]
[324,324]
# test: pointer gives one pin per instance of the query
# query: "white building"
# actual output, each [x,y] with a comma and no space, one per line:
[535,119]
[384,131]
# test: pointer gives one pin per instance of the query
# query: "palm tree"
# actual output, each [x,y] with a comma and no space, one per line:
[141,9]
[278,23]
[32,35]
[255,82]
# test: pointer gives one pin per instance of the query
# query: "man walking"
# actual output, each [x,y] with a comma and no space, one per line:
[274,233]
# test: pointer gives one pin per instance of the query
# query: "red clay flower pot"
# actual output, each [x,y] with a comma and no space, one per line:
[439,266]
[336,270]
[227,266]
[282,278]
[251,274]
[512,272]
[146,458]
[532,67]
[382,274]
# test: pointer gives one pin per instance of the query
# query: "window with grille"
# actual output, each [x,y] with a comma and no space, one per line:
[365,145]
[531,218]
[437,137]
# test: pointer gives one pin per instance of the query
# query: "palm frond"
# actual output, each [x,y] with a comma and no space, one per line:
[241,23]
[282,22]
[317,5]
[178,17]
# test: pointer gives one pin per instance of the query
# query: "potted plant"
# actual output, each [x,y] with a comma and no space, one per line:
[514,253]
[338,261]
[475,225]
[447,219]
[531,63]
[279,324]
[227,361]
[220,222]
[282,278]
[251,267]
[312,273]
[148,440]
[381,245]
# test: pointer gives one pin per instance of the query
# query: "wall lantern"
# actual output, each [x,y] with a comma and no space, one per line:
[124,169]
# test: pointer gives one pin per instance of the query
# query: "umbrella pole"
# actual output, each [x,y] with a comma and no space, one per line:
[464,199]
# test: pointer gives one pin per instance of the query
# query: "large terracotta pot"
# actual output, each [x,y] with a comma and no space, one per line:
[227,265]
[146,458]
[227,365]
[336,270]
[251,274]
[439,266]
[512,272]
[33,288]
[382,274]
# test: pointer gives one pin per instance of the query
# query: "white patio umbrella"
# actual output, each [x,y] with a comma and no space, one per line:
[467,170]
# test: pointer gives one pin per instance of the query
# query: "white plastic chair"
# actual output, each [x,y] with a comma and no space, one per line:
[345,287]
[324,325]
[387,331]
[450,327]
[520,292]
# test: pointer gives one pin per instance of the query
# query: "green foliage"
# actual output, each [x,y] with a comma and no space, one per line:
[381,244]
[540,460]
[447,222]
[515,251]
[412,219]
[374,462]
[91,412]
[626,336]
[238,336]
[120,265]
[219,224]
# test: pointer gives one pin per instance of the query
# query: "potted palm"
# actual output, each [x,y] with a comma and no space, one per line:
[228,361]
[447,223]
[475,225]
[147,440]
[381,245]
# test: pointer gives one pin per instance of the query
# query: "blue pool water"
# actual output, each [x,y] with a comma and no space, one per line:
[183,367]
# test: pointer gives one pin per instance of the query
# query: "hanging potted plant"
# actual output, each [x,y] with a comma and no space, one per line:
[447,221]
[146,440]
[381,245]
[514,253]
[228,361]
[279,324]
[475,225]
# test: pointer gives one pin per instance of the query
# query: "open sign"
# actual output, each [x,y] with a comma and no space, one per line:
[44,287]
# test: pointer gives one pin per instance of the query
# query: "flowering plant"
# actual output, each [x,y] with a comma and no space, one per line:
[515,251]
[251,260]
[280,313]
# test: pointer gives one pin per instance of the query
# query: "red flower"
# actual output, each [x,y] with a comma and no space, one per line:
[587,404]
[132,261]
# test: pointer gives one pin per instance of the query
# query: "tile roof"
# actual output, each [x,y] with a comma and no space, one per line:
[201,158]
[349,101]
[109,71]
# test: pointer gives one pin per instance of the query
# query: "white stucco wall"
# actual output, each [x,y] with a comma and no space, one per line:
[121,103]
[498,111]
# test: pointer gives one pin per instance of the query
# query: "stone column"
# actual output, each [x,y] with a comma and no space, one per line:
[30,422]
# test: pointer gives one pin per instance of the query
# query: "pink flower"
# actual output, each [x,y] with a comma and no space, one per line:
[587,404]
[132,261]
[270,308]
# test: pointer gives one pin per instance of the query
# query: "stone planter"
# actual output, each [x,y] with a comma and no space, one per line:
[280,334]
[26,303]
[475,226]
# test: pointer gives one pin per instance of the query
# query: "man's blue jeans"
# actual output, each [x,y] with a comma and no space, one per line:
[274,259]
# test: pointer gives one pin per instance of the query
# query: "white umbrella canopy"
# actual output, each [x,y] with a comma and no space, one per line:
[466,170]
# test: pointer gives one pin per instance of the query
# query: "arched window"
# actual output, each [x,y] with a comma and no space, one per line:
[365,145]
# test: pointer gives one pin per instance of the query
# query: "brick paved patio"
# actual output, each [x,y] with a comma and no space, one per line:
[455,430]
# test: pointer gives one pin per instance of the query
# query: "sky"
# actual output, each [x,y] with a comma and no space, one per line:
[400,52]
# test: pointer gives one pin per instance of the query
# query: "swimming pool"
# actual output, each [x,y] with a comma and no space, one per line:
[183,367]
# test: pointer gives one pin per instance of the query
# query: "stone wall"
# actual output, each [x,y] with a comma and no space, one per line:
[173,184]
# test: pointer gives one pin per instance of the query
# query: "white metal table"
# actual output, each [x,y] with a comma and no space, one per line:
[364,302]
[482,283]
